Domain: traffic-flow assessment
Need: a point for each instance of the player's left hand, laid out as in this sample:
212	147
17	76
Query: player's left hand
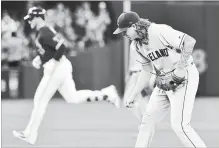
172	80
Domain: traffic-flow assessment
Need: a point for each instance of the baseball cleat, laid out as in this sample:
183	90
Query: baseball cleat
23	137
113	96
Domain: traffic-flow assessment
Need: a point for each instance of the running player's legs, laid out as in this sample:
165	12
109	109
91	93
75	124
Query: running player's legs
156	109
182	102
45	90
47	87
71	95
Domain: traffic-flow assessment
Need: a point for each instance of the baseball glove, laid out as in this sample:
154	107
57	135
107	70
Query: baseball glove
169	81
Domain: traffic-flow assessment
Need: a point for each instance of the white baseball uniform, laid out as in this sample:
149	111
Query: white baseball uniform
134	65
161	52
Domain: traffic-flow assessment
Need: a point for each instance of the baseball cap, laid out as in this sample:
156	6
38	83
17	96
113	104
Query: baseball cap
125	20
34	12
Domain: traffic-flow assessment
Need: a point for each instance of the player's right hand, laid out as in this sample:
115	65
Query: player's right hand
129	102
37	62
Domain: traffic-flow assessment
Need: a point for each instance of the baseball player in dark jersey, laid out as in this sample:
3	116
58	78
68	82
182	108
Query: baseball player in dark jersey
57	75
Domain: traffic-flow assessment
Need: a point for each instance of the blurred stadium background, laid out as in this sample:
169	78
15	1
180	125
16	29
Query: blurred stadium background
100	59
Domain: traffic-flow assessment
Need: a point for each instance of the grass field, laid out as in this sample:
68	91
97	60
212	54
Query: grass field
100	125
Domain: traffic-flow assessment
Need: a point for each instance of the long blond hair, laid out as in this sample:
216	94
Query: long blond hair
142	30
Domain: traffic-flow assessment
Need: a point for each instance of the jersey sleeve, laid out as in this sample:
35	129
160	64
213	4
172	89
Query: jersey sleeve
171	37
139	57
134	65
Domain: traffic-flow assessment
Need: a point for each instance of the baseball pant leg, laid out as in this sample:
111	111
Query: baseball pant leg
156	109
182	101
71	95
44	92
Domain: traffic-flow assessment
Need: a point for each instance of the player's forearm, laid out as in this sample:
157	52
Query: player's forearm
187	49
59	52
141	83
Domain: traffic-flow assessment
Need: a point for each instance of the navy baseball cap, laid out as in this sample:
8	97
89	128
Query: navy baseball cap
125	20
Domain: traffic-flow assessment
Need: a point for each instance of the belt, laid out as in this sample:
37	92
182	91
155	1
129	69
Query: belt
60	60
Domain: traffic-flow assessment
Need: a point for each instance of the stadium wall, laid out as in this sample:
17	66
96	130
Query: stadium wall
101	67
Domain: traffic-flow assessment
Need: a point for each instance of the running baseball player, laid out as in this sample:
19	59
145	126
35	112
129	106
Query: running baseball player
57	76
168	52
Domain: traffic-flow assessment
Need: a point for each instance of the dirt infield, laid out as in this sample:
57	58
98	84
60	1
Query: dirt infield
100	125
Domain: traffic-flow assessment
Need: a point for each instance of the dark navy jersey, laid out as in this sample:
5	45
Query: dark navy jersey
50	44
